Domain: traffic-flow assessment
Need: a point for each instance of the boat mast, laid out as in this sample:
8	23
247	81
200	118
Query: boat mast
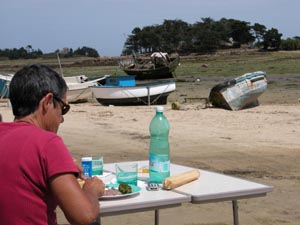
61	71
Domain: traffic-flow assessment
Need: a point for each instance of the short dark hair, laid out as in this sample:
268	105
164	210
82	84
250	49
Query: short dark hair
30	84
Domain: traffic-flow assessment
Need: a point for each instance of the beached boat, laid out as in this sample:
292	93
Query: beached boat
78	87
123	90
4	85
239	93
76	79
158	66
80	91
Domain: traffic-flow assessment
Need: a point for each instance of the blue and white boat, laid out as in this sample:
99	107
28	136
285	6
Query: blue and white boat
239	93
4	85
123	90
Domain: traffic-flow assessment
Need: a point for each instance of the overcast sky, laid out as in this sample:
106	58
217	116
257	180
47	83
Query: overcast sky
104	24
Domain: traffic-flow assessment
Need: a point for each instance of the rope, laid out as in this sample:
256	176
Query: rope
76	98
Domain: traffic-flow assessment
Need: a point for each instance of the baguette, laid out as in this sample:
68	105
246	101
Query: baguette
180	179
81	182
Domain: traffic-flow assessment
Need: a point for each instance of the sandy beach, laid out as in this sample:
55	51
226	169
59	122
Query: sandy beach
260	144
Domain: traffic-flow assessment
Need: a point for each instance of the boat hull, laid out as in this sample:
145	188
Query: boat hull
79	92
159	73
148	70
79	95
4	85
141	94
239	93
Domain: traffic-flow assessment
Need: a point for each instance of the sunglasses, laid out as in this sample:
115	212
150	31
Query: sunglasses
65	107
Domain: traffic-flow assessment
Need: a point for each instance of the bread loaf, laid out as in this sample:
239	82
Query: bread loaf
180	179
81	182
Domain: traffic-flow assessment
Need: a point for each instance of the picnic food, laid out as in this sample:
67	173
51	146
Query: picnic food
144	170
180	179
111	192
81	182
125	188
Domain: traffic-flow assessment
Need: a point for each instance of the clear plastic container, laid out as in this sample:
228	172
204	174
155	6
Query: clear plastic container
159	150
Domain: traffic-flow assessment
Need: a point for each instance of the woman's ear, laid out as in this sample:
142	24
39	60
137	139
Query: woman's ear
46	102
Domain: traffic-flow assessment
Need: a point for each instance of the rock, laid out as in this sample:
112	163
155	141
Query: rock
176	106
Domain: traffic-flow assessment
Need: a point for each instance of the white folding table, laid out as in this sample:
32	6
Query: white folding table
215	187
210	187
144	201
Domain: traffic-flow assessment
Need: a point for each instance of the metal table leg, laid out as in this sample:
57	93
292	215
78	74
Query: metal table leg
235	212
156	221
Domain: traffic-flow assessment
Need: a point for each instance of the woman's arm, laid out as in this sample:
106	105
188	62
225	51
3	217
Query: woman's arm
80	206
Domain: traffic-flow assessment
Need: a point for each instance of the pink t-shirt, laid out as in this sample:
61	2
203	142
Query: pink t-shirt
29	157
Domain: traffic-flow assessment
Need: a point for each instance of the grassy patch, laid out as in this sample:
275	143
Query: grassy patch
206	66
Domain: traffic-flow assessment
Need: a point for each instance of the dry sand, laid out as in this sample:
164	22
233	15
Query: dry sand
260	144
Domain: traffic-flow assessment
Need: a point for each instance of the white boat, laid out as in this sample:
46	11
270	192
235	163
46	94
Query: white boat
80	91
239	93
122	90
76	79
78	87
4	85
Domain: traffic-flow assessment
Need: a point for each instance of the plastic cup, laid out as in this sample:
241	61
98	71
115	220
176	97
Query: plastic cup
97	165
127	173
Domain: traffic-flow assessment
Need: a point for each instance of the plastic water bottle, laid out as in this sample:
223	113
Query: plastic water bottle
159	151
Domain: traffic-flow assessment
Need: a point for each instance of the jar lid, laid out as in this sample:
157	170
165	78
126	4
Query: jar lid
159	108
84	159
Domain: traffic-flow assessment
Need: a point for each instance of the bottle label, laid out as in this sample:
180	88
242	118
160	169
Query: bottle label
159	163
87	168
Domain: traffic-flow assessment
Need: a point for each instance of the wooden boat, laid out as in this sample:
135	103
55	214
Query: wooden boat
123	90
4	85
157	66
239	93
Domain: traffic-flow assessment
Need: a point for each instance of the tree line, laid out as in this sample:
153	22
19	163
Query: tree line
29	53
205	37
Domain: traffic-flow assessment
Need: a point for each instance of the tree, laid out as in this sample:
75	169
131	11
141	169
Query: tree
290	44
132	43
86	51
29	48
174	33
206	38
272	39
258	31
240	32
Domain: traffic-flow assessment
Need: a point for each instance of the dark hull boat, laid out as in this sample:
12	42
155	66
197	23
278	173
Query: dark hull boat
158	66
